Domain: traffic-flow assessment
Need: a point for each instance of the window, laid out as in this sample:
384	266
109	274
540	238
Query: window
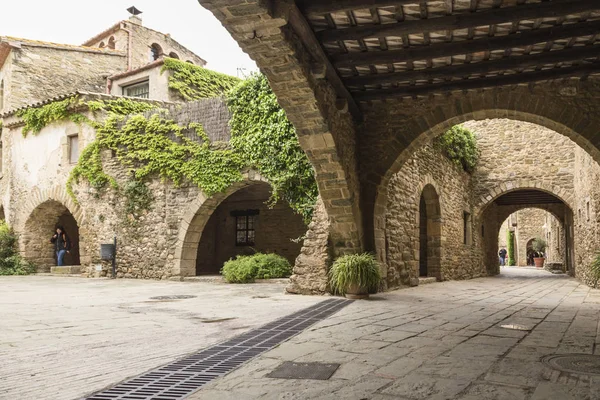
1	95
245	222
73	149
466	227
190	61
102	45
141	90
173	55
111	43
155	52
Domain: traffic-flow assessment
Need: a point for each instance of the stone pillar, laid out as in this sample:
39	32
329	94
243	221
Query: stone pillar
312	265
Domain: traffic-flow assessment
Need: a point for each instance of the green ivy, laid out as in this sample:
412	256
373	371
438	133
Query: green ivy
192	82
510	239
265	138
37	118
460	146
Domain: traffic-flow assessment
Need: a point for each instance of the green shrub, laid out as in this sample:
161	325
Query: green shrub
11	263
245	269
460	146
271	266
539	247
595	270
354	269
510	239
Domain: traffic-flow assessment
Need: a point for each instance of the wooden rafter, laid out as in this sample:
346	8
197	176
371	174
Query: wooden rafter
462	21
520	62
320	7
469	84
301	27
439	50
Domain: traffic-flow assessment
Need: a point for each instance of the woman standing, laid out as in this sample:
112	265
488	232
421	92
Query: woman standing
61	245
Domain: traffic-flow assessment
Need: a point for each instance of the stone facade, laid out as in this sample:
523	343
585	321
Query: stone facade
134	38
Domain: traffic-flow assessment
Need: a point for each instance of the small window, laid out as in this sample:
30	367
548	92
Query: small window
173	55
1	95
245	222
141	90
102	45
466	228
190	61
111	43
155	52
73	149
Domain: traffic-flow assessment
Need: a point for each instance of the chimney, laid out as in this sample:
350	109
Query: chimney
135	18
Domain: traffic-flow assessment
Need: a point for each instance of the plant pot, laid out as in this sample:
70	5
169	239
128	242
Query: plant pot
539	262
356	292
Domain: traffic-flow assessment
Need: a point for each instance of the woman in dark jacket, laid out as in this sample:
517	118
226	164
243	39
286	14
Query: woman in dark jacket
61	245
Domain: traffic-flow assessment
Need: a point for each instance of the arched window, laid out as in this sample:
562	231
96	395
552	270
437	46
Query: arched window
102	45
111	42
189	61
155	52
173	55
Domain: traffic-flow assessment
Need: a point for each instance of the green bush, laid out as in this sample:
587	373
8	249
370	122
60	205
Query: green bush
595	270
539	247
460	146
245	269
354	269
11	263
510	239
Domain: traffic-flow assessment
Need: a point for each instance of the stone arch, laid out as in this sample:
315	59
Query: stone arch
435	123
197	218
430	232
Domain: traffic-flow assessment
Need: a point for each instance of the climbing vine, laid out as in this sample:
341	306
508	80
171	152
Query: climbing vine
265	138
510	239
192	82
460	146
36	119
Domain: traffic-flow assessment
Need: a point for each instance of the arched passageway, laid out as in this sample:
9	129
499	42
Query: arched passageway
430	232
239	221
39	228
528	213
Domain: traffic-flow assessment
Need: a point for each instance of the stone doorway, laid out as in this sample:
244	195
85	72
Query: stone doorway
40	227
243	224
430	233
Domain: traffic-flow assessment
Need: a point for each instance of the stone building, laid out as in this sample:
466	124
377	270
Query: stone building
185	232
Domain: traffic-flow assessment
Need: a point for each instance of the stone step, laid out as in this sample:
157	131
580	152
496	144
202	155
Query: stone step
424	281
66	270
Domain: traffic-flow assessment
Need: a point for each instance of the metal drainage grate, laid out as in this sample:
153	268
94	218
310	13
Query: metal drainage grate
182	378
581	364
313	370
173	297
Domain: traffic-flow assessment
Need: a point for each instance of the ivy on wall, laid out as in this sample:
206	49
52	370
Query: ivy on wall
460	146
262	138
510	240
267	141
192	82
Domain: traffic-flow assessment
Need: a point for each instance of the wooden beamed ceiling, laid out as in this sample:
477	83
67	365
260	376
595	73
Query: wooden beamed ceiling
374	49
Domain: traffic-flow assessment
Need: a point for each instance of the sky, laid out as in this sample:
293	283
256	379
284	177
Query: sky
75	21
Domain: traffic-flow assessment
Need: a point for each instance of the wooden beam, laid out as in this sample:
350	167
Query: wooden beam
301	27
494	16
484	67
504	80
320	7
439	50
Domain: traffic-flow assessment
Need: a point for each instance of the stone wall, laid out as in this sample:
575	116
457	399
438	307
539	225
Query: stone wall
587	219
459	258
530	225
40	73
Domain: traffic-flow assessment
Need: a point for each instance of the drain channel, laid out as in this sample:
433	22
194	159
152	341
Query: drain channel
183	377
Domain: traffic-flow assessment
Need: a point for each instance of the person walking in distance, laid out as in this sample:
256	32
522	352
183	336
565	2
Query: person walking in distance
61	245
502	256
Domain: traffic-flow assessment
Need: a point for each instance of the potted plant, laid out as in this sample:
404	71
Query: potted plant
539	249
355	275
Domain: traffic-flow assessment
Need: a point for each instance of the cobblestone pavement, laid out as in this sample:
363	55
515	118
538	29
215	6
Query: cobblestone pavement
440	341
62	338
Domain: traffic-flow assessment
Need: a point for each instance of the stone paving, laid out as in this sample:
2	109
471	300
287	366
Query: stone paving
440	341
62	338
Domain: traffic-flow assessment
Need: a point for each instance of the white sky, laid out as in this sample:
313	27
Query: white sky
75	21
